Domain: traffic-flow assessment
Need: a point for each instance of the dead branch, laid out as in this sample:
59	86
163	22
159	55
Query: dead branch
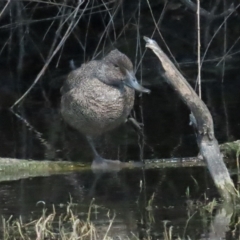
201	120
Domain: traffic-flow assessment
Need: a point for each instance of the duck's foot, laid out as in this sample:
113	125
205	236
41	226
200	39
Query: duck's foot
102	164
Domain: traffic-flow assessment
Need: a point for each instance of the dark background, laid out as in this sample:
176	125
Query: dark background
31	32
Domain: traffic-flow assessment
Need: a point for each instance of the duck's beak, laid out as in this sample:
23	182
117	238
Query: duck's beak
132	82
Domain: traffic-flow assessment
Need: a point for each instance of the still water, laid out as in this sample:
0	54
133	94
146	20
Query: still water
126	194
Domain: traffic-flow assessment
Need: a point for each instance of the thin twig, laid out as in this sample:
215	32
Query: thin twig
5	7
189	4
199	49
40	74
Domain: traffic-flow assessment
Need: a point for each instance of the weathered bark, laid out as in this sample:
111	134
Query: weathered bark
201	120
14	169
231	150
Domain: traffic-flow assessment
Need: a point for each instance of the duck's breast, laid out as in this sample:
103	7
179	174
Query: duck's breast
95	107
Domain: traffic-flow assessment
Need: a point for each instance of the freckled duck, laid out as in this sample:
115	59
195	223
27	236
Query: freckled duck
98	97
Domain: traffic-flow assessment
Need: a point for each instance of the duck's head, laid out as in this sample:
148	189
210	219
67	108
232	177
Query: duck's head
116	69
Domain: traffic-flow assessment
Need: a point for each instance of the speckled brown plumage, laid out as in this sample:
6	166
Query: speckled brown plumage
92	106
98	96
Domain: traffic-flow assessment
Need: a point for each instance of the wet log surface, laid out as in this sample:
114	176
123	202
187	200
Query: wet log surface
202	122
14	169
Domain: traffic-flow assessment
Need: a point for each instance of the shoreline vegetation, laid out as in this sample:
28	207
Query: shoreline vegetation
68	222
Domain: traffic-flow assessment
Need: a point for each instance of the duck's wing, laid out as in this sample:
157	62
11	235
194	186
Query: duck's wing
75	77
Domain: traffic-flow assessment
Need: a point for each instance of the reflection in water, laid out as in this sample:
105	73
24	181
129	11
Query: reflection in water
141	200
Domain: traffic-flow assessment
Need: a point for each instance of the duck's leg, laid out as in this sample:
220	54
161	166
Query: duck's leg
100	162
97	157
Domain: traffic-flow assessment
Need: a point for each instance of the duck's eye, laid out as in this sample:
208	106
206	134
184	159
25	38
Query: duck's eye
115	65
